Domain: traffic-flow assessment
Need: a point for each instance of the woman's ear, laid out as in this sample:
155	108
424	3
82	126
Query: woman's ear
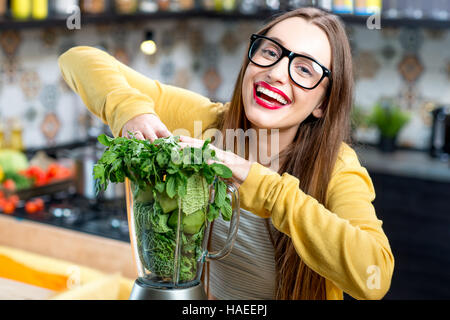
319	111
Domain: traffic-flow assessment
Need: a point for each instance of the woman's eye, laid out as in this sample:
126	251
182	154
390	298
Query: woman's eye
303	70
270	53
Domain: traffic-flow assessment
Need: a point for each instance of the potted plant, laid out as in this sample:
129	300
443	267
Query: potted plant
389	119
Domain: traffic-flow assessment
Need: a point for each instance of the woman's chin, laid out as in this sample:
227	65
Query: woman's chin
263	121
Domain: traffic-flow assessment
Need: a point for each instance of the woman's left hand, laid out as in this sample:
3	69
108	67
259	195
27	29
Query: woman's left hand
238	165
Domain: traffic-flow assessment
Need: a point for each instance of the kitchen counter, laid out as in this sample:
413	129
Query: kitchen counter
107	255
413	164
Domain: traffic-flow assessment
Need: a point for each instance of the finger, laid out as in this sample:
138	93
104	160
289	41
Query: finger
138	135
187	139
150	135
163	132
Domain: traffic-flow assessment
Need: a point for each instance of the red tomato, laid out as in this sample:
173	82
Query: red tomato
9	184
39	204
9	207
31	207
14	199
40	181
2	194
2	203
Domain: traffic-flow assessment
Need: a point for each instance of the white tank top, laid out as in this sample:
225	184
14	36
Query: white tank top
248	272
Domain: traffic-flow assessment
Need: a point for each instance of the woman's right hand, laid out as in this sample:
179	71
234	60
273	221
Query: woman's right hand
146	126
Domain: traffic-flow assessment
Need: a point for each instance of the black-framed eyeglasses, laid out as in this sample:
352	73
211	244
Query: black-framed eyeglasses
303	70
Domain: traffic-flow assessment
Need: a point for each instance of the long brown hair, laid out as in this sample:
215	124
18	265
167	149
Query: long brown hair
312	155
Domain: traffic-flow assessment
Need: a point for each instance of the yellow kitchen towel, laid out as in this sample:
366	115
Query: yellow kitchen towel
13	270
104	288
85	275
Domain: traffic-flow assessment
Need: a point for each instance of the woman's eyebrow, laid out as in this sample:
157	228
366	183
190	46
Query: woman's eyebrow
282	43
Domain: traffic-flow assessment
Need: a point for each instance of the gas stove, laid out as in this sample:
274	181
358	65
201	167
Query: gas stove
106	218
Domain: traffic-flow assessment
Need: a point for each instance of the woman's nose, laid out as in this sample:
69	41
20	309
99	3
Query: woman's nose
280	72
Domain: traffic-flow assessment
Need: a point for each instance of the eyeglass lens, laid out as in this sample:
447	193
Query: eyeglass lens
304	72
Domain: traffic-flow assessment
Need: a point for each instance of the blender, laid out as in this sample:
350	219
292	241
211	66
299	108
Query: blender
170	246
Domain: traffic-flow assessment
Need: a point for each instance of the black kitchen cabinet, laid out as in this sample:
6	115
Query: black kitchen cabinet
416	219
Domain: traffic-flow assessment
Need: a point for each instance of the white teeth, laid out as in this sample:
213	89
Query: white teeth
271	94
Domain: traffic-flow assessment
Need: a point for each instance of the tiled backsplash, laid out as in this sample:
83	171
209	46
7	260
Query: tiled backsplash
412	65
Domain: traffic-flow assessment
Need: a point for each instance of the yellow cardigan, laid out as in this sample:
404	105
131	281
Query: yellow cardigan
342	240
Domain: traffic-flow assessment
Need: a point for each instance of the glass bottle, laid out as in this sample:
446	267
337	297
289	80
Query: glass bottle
63	7
148	6
126	6
343	6
390	8
2	137
93	6
3	7
40	9
16	141
21	9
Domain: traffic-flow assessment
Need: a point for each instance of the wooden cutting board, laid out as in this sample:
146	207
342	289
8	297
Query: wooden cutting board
15	290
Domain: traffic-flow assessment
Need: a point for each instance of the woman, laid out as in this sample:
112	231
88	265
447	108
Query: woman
319	236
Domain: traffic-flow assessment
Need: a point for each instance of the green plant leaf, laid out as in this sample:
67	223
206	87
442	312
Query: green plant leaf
104	140
171	188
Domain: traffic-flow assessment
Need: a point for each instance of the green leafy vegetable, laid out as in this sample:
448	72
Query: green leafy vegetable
169	183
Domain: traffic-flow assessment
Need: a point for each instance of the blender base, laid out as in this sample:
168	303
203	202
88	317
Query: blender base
142	291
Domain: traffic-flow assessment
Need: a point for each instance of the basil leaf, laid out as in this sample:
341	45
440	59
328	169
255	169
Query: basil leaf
222	170
104	140
171	186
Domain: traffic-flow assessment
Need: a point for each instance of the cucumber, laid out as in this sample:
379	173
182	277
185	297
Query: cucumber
145	195
167	204
191	223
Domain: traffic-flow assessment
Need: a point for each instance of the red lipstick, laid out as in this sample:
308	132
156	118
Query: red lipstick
266	104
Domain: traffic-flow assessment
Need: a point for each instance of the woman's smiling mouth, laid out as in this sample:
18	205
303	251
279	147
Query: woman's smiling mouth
269	97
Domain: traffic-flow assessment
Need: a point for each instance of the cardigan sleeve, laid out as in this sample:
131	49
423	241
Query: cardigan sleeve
116	93
344	241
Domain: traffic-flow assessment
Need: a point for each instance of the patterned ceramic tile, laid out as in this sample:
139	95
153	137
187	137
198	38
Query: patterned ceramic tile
425	113
30	83
31	114
211	54
410	68
49	37
411	40
196	65
245	30
120	35
50	127
448	69
103	29
196	41
49	97
365	65
181	30
11	68
153	59
66	45
388	52
166	42
408	97
102	45
10	41
435	34
182	78
389	32
167	70
122	55
212	80
229	41
63	85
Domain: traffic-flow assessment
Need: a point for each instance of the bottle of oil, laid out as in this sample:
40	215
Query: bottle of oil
16	141
2	137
